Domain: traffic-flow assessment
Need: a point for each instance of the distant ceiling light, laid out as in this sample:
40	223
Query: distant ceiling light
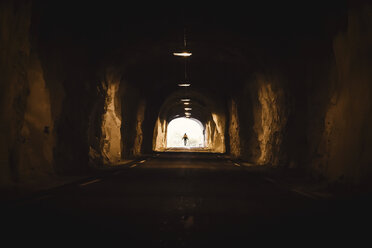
183	54
184	85
184	51
186	103
185	100
188	108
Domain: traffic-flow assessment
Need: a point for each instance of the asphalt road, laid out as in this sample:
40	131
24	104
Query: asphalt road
180	200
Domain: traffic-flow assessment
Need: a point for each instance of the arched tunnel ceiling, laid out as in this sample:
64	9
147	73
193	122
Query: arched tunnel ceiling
202	105
228	41
222	36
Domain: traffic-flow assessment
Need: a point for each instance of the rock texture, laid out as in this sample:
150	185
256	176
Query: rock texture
85	92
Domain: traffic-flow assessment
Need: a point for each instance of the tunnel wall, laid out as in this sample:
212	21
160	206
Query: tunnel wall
133	108
235	147
342	142
27	133
258	118
44	103
70	71
138	148
160	137
111	123
310	106
60	106
215	133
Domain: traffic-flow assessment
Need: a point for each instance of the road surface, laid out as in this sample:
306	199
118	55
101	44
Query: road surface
180	200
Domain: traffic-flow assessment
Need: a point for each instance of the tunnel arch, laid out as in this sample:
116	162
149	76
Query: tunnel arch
204	109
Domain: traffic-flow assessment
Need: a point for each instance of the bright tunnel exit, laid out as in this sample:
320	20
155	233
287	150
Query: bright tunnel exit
178	127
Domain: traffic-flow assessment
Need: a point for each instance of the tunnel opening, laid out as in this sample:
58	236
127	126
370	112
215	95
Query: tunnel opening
208	137
180	113
191	127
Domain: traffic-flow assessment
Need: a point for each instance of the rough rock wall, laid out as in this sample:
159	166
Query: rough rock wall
95	130
36	152
51	100
137	148
111	124
258	119
159	138
132	116
270	120
115	126
234	130
343	151
79	81
315	111
216	133
27	133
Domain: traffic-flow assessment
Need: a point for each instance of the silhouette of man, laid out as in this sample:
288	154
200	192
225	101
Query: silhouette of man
185	138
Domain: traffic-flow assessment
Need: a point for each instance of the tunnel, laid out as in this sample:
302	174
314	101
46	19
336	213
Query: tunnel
193	127
274	93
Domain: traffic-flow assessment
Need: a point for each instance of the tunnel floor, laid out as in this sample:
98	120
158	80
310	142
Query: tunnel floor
184	200
187	149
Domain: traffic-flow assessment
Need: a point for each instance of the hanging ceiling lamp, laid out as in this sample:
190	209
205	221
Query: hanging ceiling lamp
184	51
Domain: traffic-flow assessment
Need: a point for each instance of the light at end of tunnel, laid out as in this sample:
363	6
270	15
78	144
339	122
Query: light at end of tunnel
183	54
184	85
193	129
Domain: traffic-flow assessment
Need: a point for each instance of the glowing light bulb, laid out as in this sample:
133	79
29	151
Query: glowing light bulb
183	54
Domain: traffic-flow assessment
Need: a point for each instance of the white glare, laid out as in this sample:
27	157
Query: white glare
183	54
184	85
178	127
